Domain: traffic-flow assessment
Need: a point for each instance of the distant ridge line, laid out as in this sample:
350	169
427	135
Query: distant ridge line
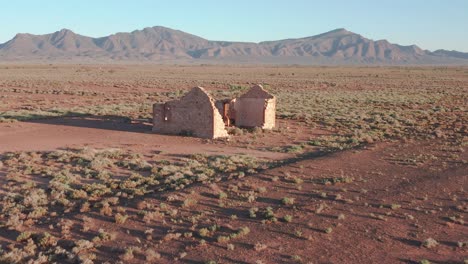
161	44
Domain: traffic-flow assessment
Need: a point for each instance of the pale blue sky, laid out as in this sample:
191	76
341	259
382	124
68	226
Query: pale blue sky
430	24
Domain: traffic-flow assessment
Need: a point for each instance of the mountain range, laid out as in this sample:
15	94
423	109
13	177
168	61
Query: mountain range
161	44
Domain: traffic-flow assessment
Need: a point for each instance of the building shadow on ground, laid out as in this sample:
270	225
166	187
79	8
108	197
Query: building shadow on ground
106	122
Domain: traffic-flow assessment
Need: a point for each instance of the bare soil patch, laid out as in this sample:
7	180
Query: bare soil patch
366	165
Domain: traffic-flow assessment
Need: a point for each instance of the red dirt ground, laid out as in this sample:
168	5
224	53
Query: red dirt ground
427	198
76	132
425	184
371	232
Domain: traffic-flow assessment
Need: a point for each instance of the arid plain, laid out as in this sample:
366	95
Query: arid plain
366	164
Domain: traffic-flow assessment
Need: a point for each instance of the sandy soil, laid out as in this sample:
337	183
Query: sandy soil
375	203
115	132
427	198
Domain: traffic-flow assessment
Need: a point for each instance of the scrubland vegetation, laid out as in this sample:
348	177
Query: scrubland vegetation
103	182
406	199
360	108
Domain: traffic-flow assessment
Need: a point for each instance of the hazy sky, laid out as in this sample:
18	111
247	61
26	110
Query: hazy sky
430	24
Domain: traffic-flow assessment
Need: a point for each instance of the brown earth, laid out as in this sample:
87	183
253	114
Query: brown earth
376	202
114	132
429	196
369	230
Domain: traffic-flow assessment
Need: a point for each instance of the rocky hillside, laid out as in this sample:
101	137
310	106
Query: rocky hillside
160	44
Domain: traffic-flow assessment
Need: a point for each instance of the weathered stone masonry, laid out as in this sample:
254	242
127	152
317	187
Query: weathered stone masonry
199	115
193	114
255	108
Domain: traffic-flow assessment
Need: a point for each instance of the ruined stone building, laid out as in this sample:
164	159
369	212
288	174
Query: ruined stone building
255	108
198	114
194	114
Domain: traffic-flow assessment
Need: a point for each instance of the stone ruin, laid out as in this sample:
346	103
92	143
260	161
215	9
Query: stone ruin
194	114
198	114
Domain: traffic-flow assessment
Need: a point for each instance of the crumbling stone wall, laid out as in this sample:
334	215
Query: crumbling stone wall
256	108
197	114
226	108
270	114
193	114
